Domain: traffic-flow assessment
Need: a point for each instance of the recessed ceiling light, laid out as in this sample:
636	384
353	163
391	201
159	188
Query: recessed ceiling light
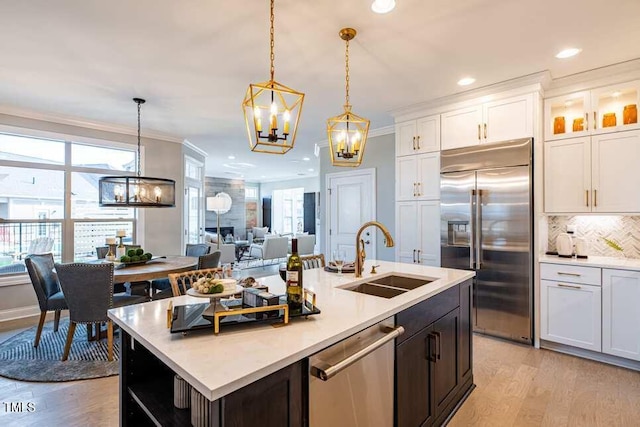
306	159
231	157
466	81
383	6
568	53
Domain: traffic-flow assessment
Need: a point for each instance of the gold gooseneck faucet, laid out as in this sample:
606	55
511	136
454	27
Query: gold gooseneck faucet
360	253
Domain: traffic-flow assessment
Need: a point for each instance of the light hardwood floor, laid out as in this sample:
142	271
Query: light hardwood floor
520	386
516	386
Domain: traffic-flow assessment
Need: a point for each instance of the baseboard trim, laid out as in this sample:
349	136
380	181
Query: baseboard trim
591	355
19	313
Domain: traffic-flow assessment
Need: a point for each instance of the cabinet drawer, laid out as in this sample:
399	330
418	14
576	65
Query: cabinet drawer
571	273
415	318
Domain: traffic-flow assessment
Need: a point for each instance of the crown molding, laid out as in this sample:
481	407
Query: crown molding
384	130
85	123
531	82
198	150
597	77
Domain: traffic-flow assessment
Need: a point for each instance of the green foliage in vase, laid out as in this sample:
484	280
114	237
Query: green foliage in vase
612	244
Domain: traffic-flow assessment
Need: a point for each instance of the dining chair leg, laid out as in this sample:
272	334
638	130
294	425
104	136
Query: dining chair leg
67	346
90	336
110	340
56	321
43	315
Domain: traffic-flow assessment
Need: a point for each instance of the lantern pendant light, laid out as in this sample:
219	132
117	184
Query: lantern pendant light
137	191
272	111
347	132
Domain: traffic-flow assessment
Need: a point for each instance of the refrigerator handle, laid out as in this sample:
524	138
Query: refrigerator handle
478	234
472	198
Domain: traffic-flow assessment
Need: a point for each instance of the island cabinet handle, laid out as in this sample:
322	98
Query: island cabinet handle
325	371
438	344
431	348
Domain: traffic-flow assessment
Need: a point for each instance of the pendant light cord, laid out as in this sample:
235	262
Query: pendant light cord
346	60
272	41
139	106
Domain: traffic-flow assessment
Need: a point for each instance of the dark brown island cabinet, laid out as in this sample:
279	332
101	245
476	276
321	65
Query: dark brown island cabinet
433	376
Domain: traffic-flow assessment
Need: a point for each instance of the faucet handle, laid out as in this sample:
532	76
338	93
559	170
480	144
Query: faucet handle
373	268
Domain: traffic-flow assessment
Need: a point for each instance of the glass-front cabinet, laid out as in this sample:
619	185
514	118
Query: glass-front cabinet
604	110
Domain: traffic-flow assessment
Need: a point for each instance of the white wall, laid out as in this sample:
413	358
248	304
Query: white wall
162	230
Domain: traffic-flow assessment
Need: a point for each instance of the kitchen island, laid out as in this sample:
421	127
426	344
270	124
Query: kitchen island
237	359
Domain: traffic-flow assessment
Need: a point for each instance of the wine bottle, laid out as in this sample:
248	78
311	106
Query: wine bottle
294	279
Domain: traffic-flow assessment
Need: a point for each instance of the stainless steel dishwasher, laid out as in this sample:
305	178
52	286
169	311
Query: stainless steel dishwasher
351	382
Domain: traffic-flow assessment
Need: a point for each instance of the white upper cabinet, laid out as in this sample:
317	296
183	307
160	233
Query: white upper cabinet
567	177
494	121
418	136
418	177
418	232
616	172
462	128
603	110
593	174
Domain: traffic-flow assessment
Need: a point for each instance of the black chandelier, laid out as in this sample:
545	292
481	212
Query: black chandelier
137	191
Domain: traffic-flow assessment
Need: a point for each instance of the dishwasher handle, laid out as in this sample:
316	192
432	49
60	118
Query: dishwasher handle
325	371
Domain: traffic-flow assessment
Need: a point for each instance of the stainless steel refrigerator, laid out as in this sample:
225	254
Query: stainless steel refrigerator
486	226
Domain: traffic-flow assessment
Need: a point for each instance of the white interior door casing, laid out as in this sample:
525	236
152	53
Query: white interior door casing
351	203
571	314
620	313
567	175
615	170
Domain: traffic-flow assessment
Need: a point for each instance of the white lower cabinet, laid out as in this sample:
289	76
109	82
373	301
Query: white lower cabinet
571	314
418	232
621	313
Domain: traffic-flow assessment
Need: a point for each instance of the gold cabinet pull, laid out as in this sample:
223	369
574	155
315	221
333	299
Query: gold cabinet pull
414	142
414	189
419	262
485	131
595	198
561	273
414	256
419	194
562	285
418	141
586	121
479	132
586	197
595	120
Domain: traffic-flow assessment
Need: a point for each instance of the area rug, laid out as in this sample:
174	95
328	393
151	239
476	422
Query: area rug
19	360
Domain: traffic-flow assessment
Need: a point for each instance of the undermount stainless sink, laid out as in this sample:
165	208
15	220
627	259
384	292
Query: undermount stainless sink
388	286
402	282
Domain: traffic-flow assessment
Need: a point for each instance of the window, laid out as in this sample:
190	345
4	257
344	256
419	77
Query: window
288	211
33	175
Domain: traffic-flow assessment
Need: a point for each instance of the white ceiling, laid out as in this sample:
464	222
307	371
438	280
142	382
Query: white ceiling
193	60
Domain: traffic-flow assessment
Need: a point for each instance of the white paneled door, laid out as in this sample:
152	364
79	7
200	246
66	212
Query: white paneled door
350	203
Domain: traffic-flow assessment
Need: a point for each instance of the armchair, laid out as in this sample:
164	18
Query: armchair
271	248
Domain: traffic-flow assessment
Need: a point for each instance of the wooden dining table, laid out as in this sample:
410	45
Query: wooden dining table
156	268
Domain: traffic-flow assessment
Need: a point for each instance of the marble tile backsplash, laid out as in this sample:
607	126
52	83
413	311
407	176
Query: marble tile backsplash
624	230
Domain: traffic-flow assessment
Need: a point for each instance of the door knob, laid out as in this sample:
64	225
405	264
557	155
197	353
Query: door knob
367	242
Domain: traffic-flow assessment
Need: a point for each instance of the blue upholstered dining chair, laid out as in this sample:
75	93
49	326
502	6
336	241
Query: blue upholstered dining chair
197	249
162	287
48	291
89	292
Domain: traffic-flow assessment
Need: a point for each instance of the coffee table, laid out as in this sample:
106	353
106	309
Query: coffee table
241	248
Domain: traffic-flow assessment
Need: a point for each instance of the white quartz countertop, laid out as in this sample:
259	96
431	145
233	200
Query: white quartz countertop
595	261
217	365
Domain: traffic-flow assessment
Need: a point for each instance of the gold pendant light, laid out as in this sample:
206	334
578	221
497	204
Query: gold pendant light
347	132
272	111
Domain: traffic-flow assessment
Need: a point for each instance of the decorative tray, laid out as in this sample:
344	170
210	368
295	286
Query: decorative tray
191	317
120	264
348	267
